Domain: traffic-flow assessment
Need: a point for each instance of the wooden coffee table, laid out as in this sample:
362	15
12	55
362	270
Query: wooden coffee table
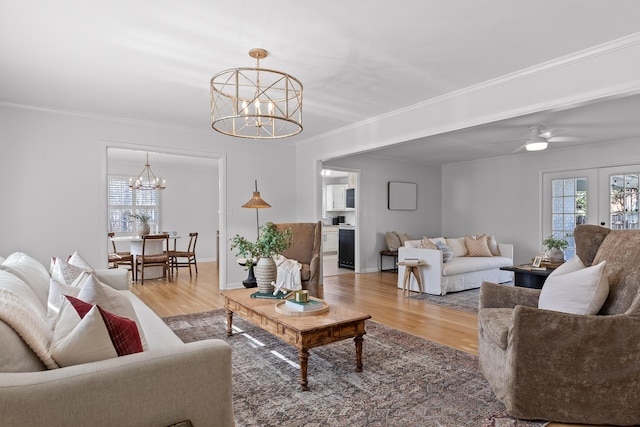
302	332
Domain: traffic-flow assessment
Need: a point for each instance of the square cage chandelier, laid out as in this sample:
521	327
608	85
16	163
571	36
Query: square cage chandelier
256	103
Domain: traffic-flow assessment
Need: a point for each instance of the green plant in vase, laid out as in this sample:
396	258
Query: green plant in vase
260	253
143	218
555	247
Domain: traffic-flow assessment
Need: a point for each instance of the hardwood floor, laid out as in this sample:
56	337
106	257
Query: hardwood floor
372	293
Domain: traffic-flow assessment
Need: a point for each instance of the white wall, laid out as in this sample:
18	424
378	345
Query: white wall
502	196
375	217
53	171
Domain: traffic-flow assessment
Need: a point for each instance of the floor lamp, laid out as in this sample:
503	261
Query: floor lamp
255	202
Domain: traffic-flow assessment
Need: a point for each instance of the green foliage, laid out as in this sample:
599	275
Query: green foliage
270	242
143	217
553	243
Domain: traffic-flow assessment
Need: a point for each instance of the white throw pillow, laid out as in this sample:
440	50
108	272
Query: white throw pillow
458	246
86	333
78	261
63	272
93	291
575	290
56	291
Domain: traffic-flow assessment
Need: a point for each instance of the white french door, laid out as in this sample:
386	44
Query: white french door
618	197
605	196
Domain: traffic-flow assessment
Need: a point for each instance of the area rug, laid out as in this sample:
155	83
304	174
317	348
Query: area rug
463	300
406	381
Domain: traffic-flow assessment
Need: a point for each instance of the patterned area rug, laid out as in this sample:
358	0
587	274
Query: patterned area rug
463	300
407	381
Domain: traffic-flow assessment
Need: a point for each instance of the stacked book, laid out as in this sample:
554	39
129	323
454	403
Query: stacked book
310	305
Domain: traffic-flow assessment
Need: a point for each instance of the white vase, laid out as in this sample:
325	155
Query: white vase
556	255
266	272
144	229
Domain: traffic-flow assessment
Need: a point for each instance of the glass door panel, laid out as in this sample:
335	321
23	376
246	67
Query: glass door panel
619	197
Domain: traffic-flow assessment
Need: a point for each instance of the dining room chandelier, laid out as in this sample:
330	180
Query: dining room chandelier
256	103
147	180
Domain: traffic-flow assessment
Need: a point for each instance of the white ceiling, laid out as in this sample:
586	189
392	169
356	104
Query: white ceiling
152	60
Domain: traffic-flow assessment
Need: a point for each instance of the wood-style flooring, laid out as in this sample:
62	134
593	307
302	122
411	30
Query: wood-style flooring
373	293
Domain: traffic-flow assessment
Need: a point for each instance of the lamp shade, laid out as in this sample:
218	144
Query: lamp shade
256	202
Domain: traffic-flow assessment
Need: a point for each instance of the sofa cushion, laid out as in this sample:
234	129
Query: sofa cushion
458	246
470	264
86	333
575	290
31	272
477	246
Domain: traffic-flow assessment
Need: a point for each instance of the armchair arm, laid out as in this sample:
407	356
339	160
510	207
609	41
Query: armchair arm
493	295
575	365
155	387
314	271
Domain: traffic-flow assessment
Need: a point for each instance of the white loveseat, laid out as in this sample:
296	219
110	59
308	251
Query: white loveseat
459	274
168	383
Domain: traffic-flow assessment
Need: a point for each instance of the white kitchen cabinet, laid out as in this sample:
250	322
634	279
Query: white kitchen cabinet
330	239
336	196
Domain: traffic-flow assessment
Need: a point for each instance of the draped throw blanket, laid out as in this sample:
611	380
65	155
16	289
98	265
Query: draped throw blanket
288	272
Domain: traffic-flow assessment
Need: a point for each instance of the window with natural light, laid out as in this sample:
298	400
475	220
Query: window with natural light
569	208
123	200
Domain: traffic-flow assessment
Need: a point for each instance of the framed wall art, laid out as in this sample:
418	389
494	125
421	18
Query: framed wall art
402	196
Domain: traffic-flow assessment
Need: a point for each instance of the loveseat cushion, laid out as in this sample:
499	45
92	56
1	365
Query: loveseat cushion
31	272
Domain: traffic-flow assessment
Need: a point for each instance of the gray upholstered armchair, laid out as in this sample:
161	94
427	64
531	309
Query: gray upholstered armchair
307	240
565	367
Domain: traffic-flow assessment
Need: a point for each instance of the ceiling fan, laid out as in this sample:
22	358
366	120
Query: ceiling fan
540	138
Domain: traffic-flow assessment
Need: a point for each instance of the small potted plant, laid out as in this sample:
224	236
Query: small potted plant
555	247
144	218
260	253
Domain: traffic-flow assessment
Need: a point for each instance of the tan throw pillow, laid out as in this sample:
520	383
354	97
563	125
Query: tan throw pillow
493	244
477	247
457	246
403	238
425	243
393	241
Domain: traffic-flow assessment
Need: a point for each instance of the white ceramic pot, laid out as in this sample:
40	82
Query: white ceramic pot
556	255
266	272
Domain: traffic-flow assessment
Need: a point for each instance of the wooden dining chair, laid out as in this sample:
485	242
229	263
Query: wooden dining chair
116	259
185	258
154	260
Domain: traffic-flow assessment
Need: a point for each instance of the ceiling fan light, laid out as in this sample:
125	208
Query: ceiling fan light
536	145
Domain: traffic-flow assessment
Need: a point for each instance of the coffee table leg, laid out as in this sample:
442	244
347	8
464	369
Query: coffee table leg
358	340
229	321
303	356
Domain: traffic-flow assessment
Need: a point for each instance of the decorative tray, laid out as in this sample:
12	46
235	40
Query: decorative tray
283	309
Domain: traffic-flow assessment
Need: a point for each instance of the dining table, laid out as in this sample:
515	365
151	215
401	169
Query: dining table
153	247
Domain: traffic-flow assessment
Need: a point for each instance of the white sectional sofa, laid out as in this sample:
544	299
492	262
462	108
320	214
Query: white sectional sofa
168	383
459	274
